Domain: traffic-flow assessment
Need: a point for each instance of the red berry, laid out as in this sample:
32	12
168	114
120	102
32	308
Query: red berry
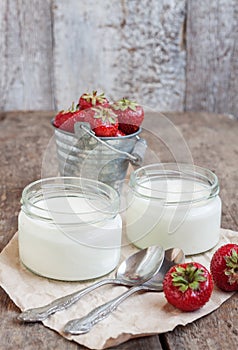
224	267
65	120
188	286
91	100
130	115
103	121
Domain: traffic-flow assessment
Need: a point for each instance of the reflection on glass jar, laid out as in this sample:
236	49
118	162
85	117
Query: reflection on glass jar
69	228
174	205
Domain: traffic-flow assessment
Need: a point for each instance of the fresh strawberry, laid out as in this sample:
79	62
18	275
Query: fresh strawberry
65	120
103	121
130	115
224	267
188	286
91	100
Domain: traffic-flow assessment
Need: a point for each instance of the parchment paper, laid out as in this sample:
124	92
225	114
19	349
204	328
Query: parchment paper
139	315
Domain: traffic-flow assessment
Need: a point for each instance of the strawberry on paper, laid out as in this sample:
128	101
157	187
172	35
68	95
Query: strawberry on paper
88	100
224	267
188	286
130	115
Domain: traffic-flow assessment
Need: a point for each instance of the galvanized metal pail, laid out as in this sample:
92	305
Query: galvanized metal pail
104	159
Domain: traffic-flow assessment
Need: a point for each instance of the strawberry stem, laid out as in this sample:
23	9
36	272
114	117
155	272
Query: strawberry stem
105	114
73	108
94	98
188	277
124	103
232	267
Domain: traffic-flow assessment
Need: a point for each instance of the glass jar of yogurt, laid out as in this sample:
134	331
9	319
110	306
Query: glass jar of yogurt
174	205
69	228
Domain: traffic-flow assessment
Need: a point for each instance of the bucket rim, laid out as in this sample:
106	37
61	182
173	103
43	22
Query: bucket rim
103	138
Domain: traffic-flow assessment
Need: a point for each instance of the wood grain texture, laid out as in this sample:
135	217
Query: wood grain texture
210	333
213	142
26	55
125	48
21	143
168	54
212	49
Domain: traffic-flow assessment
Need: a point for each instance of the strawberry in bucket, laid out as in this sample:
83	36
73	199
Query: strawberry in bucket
130	115
97	139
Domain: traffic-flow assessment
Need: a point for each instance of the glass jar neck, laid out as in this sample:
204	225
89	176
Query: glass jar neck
174	183
70	201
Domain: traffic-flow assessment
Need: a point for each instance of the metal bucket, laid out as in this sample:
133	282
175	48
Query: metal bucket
104	159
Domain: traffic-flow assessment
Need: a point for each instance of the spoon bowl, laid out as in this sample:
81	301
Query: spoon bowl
135	270
141	266
83	325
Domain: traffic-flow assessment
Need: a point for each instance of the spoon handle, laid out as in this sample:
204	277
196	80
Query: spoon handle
43	312
83	325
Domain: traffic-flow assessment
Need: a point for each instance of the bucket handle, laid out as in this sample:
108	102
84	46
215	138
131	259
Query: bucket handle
137	156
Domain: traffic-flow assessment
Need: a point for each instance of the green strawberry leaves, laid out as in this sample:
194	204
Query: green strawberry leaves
189	277
123	104
105	114
232	267
94	98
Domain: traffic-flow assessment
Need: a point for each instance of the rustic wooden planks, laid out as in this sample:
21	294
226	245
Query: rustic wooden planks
169	54
126	48
212	51
210	332
26	55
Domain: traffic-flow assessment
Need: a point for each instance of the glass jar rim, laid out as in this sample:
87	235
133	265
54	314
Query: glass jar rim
165	171
32	190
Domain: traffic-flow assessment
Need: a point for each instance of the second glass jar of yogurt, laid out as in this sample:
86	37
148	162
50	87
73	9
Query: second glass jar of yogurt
174	205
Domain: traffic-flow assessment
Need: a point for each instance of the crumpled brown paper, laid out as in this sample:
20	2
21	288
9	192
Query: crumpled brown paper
139	315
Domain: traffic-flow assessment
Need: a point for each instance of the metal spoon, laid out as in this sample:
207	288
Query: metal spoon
83	325
136	269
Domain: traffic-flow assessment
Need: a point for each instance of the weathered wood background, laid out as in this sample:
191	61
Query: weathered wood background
167	54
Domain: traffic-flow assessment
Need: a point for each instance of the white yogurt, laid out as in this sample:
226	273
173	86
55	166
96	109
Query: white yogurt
65	244
174	212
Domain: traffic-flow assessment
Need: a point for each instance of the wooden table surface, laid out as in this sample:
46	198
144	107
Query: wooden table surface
213	143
